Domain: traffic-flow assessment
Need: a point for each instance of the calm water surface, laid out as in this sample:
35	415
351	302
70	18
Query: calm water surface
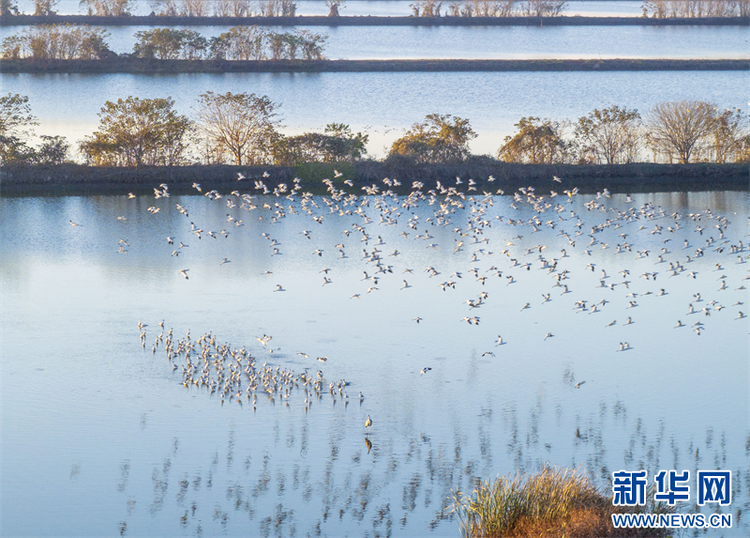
383	104
100	436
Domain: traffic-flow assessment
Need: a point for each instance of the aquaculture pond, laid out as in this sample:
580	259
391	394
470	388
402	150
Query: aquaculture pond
205	364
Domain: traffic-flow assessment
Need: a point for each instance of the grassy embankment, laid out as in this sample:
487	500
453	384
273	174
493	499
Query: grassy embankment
125	64
550	504
75	179
156	20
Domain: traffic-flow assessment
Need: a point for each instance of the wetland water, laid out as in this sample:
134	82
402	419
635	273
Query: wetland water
100	436
383	8
383	104
513	42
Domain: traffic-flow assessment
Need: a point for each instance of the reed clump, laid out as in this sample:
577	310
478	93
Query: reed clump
559	503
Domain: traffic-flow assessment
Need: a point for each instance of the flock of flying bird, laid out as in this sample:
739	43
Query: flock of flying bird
234	374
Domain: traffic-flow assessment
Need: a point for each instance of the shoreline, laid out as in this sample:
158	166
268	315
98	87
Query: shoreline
74	179
150	66
321	20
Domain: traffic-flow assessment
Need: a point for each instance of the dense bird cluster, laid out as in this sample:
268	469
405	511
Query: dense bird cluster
233	374
502	250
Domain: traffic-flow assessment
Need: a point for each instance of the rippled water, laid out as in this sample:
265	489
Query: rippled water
100	436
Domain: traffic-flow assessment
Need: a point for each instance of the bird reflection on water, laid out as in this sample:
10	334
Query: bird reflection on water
236	375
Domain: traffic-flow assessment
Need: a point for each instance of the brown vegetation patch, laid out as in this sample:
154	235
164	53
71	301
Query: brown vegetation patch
589	522
554	503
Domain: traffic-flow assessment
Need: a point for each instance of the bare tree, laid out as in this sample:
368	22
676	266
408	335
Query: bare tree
8	7
662	9
334	6
277	8
194	8
232	8
57	42
426	8
107	8
611	135
682	129
730	130
44	7
543	8
482	8
241	125
165	8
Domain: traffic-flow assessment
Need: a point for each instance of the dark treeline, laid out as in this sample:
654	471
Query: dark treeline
245	129
480	176
112	63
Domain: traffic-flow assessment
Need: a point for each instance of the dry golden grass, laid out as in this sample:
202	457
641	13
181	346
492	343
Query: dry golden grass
550	504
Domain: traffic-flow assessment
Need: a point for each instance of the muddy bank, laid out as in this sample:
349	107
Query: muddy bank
24	20
85	180
120	64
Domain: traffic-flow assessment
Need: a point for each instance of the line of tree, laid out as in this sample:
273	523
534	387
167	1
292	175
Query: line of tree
241	129
682	132
41	7
244	129
663	9
490	8
57	42
224	8
134	132
108	8
240	43
174	8
423	8
80	42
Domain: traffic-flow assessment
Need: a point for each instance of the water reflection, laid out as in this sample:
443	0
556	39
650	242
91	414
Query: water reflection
403	490
124	430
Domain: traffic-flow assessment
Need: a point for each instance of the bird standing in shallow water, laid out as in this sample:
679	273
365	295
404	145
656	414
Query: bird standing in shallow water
368	423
